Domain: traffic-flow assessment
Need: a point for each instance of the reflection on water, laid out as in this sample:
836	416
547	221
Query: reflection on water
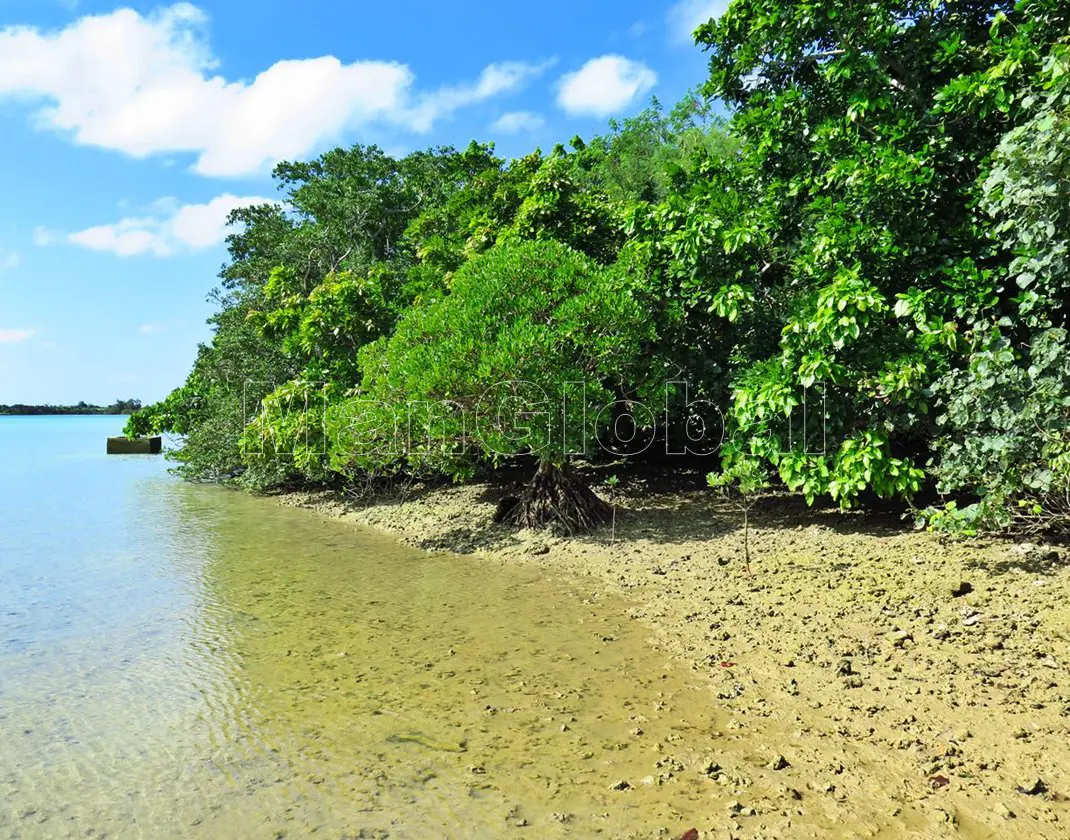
184	661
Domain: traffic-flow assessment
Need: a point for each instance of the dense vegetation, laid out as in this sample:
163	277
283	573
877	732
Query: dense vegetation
880	230
117	407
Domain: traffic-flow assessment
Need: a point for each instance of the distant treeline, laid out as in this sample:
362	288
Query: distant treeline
117	407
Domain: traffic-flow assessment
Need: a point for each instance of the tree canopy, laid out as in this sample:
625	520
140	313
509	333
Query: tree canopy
862	215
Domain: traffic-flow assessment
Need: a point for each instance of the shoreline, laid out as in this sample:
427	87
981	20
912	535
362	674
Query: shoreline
909	684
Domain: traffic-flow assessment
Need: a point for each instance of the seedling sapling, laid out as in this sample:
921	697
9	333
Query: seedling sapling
740	482
612	483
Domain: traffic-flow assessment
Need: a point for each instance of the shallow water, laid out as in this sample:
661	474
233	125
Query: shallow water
187	661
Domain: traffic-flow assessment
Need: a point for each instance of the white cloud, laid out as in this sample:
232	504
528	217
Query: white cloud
687	15
15	336
495	79
604	85
9	260
515	122
192	227
147	85
42	236
149	329
125	238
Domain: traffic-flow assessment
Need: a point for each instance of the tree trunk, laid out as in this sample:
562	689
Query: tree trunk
746	539
558	500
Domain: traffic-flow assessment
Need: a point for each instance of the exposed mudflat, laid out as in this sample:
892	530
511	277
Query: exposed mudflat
887	683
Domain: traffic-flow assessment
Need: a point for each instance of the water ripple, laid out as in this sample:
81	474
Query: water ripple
182	661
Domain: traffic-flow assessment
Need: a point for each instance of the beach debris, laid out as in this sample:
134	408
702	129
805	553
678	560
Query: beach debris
899	638
947	816
425	741
1033	787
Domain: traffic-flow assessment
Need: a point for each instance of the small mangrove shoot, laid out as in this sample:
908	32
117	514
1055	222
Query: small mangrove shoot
739	483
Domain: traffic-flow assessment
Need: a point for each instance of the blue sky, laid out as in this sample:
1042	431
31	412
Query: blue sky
128	132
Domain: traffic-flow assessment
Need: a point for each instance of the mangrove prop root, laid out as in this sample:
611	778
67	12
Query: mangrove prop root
556	499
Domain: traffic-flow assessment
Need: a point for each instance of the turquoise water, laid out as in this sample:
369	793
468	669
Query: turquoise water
187	661
69	544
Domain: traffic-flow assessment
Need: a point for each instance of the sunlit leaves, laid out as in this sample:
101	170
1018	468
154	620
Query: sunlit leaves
1005	435
523	323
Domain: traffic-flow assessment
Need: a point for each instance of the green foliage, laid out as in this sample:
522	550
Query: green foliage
557	206
865	265
1027	191
229	379
856	256
327	326
485	371
641	157
741	479
1006	436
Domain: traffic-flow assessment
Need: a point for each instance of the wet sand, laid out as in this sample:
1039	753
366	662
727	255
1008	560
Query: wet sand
882	682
